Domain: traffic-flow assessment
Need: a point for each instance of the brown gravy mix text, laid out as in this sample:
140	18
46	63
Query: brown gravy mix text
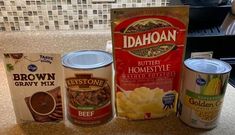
44	79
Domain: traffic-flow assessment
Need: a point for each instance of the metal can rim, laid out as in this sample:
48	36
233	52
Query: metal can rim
106	59
220	63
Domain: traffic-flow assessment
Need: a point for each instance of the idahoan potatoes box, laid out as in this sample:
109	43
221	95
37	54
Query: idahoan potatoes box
35	81
148	49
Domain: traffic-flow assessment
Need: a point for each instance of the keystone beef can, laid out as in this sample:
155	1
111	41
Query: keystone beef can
203	88
88	77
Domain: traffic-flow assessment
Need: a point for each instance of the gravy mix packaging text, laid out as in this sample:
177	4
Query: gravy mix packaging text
35	81
148	54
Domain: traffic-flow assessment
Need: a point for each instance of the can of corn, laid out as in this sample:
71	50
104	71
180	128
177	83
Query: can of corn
203	88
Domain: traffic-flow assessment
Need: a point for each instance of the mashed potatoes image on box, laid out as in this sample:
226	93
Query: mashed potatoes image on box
145	103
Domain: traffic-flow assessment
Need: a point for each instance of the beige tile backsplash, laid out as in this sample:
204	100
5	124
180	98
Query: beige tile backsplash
24	15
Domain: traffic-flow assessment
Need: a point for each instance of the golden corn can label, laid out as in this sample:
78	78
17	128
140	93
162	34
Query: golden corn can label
203	90
148	46
206	107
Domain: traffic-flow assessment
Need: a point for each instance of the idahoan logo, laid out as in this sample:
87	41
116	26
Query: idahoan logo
85	81
149	38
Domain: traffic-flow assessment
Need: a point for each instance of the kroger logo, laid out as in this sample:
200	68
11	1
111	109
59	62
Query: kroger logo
32	67
200	81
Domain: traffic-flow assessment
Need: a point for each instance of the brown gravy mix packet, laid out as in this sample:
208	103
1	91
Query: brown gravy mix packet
148	48
35	81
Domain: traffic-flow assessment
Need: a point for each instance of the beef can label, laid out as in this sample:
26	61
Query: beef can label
148	47
89	98
35	81
203	91
88	90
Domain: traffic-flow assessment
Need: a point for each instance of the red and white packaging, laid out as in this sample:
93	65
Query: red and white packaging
148	48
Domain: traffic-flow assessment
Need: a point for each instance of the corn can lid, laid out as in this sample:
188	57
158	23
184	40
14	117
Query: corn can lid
208	66
87	59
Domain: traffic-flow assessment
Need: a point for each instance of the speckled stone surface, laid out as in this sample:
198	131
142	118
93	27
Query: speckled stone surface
53	41
65	41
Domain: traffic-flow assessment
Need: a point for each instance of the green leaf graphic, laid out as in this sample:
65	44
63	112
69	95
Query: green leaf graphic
10	67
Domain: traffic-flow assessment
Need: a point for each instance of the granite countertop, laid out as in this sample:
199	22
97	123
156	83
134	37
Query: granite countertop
65	41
